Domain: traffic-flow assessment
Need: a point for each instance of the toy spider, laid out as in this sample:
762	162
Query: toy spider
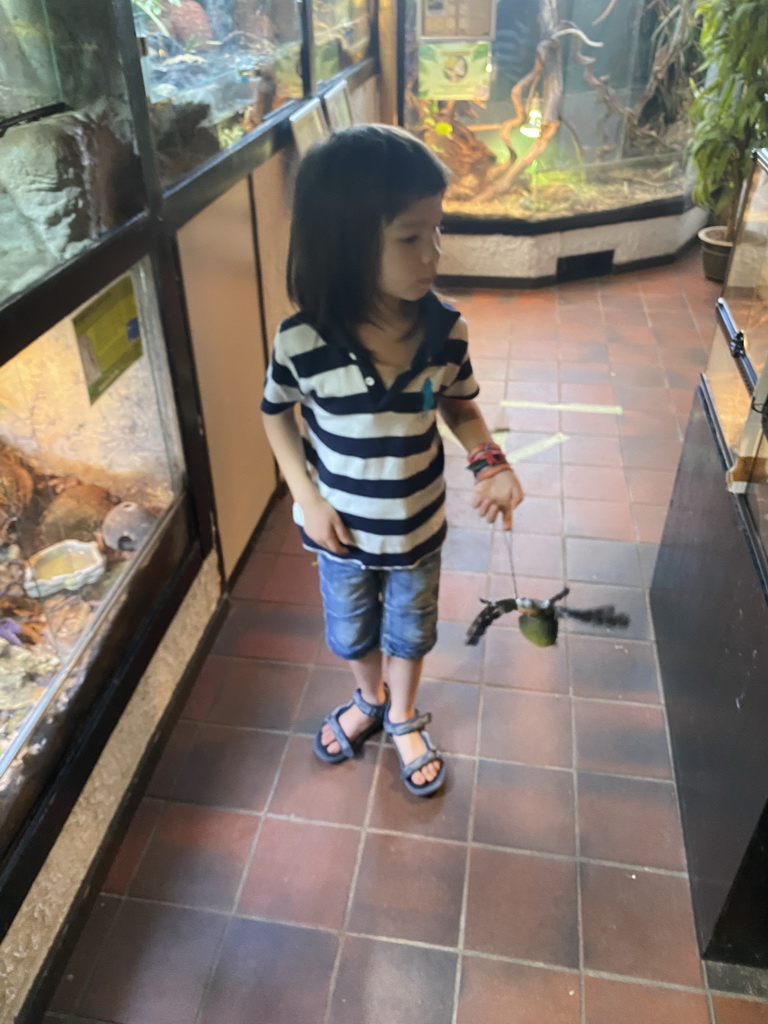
539	618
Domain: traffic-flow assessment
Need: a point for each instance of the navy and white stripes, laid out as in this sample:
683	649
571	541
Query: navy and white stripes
373	452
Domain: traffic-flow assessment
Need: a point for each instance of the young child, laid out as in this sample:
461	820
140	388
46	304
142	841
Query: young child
371	358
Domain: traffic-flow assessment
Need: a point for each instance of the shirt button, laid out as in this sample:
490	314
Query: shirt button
370	381
353	357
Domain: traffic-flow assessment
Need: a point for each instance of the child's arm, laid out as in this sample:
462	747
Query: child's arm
500	493
321	521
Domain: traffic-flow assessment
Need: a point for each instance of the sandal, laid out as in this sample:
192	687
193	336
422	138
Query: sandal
350	747
416	724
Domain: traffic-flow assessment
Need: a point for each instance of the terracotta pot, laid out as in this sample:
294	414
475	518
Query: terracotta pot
715	252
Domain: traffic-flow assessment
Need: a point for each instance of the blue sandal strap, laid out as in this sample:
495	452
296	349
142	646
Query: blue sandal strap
375	711
415	724
332	721
421	761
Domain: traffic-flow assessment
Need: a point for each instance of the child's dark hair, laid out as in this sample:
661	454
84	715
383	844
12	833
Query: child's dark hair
347	189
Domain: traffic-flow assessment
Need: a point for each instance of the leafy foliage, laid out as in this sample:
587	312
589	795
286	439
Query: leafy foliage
730	112
153	10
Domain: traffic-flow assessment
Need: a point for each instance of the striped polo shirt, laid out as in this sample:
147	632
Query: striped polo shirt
374	453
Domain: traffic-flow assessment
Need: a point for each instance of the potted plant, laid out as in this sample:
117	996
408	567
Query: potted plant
729	115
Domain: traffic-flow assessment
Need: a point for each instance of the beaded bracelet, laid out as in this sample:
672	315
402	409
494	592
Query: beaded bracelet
486	460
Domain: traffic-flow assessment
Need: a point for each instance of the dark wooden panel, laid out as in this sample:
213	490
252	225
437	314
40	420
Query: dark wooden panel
711	623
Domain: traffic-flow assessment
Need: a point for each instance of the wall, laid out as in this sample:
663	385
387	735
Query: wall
220	277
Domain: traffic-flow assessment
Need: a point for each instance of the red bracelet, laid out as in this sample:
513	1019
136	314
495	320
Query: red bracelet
486	460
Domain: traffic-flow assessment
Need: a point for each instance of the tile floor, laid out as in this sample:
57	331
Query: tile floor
548	882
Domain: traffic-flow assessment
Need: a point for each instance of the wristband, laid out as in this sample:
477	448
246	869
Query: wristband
486	460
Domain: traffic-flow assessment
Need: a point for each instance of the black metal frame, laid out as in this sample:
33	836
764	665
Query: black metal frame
190	534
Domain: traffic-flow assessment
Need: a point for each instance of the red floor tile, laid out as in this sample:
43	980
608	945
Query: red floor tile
257	629
308	788
609	1001
154	965
630	821
386	983
608	520
531	728
621	739
451	658
454	709
460	594
639	924
196	857
329	686
492	989
595	483
409	888
525	807
534	554
613	668
257	974
133	846
301	873
513	661
443	816
739	1011
602	561
249	692
522	906
227	767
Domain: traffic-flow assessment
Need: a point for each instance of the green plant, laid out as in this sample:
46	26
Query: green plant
152	9
730	112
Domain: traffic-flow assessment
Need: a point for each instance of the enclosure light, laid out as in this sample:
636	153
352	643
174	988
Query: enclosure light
533	128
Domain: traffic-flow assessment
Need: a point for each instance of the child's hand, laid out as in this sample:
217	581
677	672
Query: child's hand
500	493
323	525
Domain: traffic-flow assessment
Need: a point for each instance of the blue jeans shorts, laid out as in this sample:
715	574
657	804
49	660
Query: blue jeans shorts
394	610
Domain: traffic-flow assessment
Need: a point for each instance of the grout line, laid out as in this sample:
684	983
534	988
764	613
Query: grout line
577	831
343	933
469	842
244	874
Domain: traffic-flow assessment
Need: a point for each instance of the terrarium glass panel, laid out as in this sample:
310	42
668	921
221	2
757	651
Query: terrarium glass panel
742	410
213	71
547	109
746	287
342	35
90	466
69	171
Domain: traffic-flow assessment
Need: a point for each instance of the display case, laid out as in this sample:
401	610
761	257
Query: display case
549	110
341	32
91	476
709	601
737	373
213	71
69	172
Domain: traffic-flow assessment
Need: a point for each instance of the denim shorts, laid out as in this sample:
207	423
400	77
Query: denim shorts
394	610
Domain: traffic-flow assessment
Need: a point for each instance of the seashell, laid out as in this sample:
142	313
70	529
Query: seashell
126	526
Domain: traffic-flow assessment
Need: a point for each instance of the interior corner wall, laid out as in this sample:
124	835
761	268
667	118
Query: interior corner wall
41	917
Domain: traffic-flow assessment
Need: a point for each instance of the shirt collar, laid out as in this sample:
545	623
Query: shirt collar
439	319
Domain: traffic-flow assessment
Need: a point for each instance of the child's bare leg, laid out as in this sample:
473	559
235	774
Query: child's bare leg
368	676
403	676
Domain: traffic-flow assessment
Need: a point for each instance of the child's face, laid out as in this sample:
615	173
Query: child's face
411	250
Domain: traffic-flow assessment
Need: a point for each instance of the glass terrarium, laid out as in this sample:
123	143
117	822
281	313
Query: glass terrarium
90	471
213	71
547	109
68	165
342	35
737	373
